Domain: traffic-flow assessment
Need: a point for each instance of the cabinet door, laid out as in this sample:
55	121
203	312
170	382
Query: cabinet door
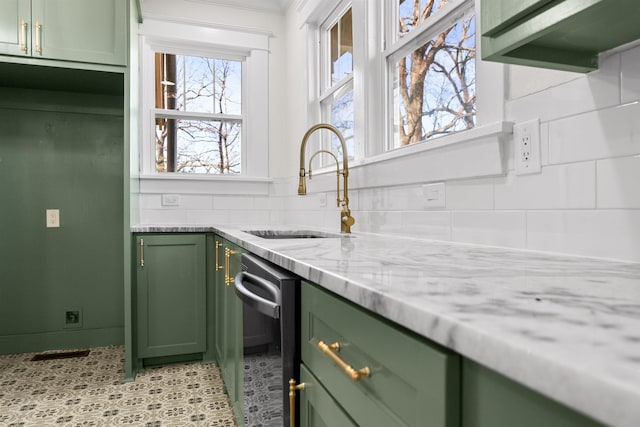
317	407
233	342
220	293
171	294
14	38
229	324
80	30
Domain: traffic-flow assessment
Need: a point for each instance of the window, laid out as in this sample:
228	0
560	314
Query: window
431	70
198	115
411	91
204	103
336	97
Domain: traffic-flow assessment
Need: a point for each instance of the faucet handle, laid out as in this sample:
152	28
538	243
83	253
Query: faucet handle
302	184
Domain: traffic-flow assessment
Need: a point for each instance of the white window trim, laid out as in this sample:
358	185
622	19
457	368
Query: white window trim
490	135
230	43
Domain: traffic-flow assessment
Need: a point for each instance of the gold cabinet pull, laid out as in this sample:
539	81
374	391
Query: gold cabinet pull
38	47
227	265
23	36
331	349
218	266
141	252
292	400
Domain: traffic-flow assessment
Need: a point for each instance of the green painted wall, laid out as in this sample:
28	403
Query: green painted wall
60	150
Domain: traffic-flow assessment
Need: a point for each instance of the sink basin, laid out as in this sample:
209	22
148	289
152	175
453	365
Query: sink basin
293	234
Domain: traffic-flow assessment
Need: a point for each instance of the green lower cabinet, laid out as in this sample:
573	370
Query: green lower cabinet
171	294
492	400
412	381
317	407
229	323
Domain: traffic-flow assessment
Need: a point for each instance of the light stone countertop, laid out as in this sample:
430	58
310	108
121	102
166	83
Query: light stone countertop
567	327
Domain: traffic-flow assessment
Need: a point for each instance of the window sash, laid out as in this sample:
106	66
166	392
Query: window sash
401	46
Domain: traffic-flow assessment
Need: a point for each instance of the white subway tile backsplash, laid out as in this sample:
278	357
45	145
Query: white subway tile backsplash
163	216
495	228
596	90
384	222
630	75
248	217
232	202
150	201
192	201
599	134
207	217
619	182
427	225
470	194
597	233
556	187
544	144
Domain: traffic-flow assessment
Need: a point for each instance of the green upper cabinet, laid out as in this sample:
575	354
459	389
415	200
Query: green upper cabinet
15	37
171	294
93	31
559	34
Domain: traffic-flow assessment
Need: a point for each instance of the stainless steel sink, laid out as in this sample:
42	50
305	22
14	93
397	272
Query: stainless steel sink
294	234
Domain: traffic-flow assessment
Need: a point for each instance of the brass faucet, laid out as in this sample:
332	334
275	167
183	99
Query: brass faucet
346	220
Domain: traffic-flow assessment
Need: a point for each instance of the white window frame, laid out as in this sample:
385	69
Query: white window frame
467	154
398	47
249	47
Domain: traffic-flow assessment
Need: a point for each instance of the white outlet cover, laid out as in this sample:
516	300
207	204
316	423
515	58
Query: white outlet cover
526	156
53	218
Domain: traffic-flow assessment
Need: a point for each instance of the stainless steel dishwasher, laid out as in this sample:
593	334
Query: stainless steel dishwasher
271	327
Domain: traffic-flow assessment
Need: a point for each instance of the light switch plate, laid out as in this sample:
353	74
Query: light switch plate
53	218
170	200
434	195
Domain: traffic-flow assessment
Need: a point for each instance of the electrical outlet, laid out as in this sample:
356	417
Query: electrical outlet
53	218
73	318
527	147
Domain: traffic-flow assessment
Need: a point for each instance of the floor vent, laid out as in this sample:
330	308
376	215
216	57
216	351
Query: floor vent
60	355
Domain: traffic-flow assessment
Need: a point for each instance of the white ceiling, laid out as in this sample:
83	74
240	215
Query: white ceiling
268	5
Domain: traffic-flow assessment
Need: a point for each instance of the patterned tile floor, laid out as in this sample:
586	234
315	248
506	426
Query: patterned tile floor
88	391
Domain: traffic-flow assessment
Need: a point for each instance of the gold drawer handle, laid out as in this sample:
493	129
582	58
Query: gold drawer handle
330	351
228	279
23	36
292	400
218	266
38	28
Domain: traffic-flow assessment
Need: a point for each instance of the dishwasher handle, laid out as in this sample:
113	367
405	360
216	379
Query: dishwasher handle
263	305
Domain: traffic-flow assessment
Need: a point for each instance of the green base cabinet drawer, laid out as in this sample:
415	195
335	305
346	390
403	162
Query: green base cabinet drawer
317	407
412	382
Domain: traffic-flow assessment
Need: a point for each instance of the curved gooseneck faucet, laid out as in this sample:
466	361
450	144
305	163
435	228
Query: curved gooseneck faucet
346	220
